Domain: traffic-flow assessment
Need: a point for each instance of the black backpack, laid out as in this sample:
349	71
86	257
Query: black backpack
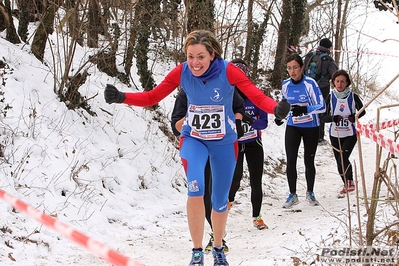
313	65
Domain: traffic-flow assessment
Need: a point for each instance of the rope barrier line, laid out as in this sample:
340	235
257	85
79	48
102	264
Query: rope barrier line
92	245
377	137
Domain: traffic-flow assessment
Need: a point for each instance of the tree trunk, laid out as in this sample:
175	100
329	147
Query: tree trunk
106	61
94	24
26	10
200	15
259	33
74	23
105	17
131	43
6	16
143	11
250	26
340	28
297	22
4	19
281	51
174	5
43	30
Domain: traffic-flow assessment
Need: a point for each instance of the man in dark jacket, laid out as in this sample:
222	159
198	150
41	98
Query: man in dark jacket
328	66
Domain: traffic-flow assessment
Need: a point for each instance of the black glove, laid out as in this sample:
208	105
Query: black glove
299	110
278	122
240	131
351	118
248	119
112	95
337	118
282	109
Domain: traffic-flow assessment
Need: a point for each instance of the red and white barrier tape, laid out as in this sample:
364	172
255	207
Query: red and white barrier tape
296	48
378	138
94	246
385	124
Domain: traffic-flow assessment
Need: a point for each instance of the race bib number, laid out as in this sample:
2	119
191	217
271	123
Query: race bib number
302	119
207	121
249	132
343	126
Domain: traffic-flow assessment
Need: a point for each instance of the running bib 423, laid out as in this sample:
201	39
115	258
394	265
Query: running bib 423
207	121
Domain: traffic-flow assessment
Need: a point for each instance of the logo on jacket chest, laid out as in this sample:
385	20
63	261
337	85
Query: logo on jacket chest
341	107
216	95
302	98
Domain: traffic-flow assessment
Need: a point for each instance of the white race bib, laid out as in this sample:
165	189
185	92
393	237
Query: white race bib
249	132
342	129
302	119
207	121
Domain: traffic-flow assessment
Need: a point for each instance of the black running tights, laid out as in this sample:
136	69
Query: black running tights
293	137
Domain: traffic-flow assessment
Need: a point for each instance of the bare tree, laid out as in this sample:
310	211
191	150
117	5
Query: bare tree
290	30
342	14
254	43
94	24
297	22
129	52
26	9
231	30
3	17
29	11
44	29
200	15
393	7
172	13
281	50
250	33
6	18
144	22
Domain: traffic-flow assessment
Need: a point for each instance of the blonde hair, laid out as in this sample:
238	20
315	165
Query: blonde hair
206	38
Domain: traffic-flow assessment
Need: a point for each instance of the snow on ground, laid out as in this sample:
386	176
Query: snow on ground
116	178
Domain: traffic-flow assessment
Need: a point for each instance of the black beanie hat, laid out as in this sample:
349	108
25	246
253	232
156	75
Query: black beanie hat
325	43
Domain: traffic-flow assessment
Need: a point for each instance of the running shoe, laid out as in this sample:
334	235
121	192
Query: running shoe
219	258
209	246
225	247
350	187
259	223
291	201
197	258
311	198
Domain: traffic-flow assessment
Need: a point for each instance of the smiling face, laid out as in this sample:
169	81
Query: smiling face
340	83
199	59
